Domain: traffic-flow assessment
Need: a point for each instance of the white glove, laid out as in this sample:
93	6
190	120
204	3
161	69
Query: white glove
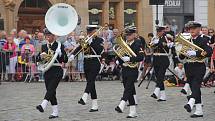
42	55
90	41
126	58
170	44
191	53
117	62
155	41
71	58
59	52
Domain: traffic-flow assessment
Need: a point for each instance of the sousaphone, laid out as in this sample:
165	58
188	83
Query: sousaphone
61	19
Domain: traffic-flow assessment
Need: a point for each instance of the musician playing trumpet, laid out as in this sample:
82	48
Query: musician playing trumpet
93	48
161	46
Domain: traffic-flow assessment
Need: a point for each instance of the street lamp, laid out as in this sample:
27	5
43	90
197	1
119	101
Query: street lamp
156	2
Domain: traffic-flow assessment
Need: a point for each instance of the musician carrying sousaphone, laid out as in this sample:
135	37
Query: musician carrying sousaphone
53	75
53	54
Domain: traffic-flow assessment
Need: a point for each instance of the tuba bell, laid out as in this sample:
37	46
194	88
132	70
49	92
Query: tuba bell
61	19
182	45
122	49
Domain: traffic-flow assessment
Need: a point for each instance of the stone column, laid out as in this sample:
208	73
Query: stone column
9	19
81	7
139	18
105	12
211	13
147	14
120	15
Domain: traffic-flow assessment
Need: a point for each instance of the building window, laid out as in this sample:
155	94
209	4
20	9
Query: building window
34	4
130	13
1	24
95	13
177	13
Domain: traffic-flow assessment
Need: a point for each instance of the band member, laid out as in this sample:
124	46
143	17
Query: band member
195	70
148	57
53	75
160	45
187	36
92	53
129	75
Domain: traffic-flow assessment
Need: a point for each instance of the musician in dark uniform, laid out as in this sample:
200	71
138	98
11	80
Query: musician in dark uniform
92	54
130	74
53	75
195	69
160	45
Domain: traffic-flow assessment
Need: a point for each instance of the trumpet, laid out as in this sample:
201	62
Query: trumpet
84	42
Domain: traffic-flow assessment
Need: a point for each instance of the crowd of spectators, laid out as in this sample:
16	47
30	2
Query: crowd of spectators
19	50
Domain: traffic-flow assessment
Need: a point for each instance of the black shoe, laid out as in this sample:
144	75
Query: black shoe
40	108
93	110
154	96
188	108
130	105
183	91
161	100
131	116
52	117
188	97
118	109
196	116
81	101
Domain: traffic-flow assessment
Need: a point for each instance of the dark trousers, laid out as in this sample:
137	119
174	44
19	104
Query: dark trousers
160	63
195	73
129	76
91	69
52	78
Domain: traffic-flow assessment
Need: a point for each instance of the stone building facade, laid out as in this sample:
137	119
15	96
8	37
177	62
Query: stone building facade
29	15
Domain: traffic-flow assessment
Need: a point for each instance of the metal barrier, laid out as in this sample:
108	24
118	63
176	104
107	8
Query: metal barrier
20	66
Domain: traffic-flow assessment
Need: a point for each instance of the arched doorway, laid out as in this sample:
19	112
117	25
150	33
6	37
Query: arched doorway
31	14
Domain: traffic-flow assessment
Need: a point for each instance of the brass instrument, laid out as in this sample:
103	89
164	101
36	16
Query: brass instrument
122	49
60	19
84	42
182	45
47	57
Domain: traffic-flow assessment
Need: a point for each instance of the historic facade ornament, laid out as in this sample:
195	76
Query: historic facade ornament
10	4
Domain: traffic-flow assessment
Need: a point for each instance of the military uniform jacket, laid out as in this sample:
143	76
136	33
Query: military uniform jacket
95	48
161	46
63	58
136	46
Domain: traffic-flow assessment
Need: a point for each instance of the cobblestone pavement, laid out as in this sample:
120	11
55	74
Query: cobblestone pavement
18	101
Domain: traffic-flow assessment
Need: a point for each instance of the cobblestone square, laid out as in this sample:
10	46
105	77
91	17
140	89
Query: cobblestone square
18	101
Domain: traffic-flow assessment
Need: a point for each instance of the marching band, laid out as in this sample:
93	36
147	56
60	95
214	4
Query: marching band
193	49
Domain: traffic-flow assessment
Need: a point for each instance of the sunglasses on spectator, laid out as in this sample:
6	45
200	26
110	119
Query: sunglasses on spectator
210	32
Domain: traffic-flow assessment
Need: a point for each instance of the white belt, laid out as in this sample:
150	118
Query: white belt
92	56
160	54
125	64
56	64
191	61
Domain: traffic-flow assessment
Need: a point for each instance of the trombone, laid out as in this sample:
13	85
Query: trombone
84	44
